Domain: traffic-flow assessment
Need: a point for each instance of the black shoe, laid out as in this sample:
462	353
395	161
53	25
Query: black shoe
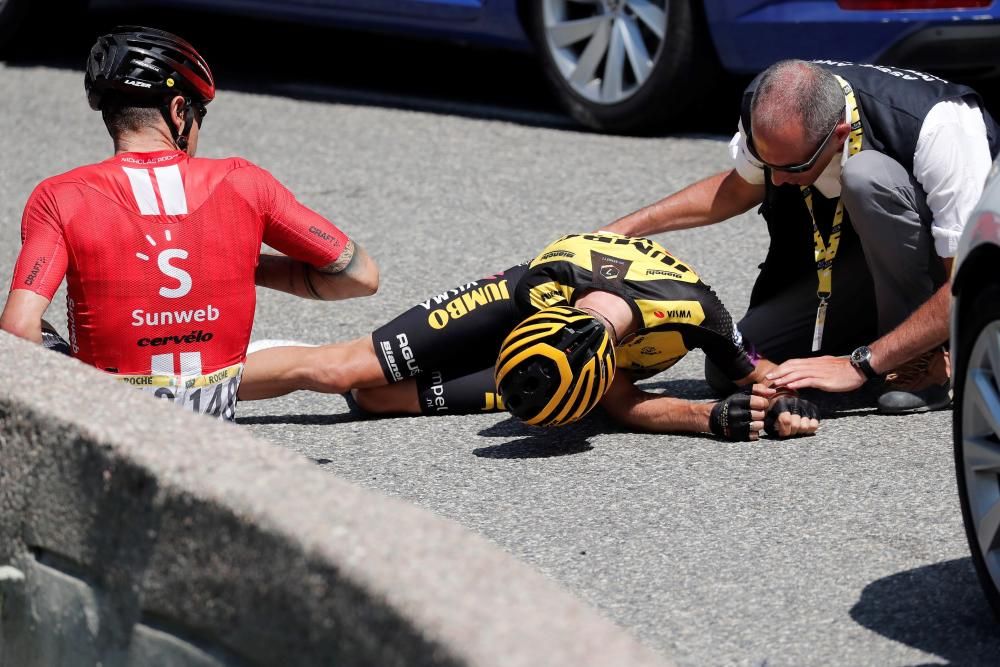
920	385
936	397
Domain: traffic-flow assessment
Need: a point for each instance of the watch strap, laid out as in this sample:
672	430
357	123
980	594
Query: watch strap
863	363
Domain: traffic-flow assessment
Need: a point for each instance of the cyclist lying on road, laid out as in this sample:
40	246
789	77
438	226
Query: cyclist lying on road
548	340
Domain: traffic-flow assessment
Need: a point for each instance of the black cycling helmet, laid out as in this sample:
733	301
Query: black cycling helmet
555	366
149	64
151	67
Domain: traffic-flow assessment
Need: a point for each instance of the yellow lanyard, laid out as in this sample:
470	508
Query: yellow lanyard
826	252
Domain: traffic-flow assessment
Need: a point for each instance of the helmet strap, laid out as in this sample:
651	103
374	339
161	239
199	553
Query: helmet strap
180	138
605	321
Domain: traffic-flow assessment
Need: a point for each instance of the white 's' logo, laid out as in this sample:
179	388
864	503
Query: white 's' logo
182	277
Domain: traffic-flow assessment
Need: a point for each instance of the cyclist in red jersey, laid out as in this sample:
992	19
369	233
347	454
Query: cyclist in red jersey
162	250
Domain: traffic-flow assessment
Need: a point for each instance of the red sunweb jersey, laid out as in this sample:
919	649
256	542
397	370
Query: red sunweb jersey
159	251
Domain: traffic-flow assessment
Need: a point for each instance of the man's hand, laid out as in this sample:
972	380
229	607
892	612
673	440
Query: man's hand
739	417
790	416
825	373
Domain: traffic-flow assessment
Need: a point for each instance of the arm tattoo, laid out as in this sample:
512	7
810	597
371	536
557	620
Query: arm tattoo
342	262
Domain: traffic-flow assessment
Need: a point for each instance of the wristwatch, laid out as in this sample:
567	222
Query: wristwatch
861	359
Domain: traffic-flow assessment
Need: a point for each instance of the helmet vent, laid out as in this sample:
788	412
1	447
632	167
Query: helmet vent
137	62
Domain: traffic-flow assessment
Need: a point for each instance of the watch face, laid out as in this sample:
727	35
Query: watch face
861	355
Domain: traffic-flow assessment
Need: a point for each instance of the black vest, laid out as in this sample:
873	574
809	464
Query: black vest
893	104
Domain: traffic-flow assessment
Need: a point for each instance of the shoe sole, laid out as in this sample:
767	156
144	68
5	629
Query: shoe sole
933	407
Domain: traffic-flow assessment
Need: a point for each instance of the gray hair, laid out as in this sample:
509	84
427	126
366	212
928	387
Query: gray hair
800	92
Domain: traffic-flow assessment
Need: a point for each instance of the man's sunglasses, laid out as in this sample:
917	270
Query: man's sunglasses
201	110
795	168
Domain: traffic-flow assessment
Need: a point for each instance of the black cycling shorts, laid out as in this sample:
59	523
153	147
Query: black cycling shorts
450	342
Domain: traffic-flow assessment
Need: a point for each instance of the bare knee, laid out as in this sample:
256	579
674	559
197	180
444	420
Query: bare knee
336	368
327	377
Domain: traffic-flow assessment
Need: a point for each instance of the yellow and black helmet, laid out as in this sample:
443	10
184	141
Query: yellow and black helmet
555	366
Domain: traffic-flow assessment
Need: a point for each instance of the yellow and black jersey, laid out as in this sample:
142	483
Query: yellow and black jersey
676	310
449	343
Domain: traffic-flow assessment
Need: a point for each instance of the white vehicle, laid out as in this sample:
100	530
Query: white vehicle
975	353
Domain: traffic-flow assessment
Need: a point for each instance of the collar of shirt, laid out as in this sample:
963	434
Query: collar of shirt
149	159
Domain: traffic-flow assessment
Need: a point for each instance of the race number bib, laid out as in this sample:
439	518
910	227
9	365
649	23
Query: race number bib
212	394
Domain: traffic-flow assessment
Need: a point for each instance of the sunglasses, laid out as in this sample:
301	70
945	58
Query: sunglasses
201	110
795	168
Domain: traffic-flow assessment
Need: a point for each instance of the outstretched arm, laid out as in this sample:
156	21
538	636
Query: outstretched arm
706	202
352	274
665	414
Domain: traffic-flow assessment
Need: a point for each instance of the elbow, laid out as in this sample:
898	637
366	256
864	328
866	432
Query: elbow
21	328
368	284
372	283
364	284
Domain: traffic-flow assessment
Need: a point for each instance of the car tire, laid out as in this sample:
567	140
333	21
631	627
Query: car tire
595	72
977	444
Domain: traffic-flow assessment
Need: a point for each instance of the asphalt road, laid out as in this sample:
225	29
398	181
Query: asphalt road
845	548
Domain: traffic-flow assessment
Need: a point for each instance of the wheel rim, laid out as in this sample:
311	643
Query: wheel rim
981	446
605	49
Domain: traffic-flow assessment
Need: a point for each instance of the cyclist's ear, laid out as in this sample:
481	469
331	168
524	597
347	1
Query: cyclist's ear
178	109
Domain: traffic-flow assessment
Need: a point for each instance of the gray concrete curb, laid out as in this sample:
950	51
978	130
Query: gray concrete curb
138	534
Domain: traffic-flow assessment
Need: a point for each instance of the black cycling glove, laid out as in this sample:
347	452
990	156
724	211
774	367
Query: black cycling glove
730	418
792	404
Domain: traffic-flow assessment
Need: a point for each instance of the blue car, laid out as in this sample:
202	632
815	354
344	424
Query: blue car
634	65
